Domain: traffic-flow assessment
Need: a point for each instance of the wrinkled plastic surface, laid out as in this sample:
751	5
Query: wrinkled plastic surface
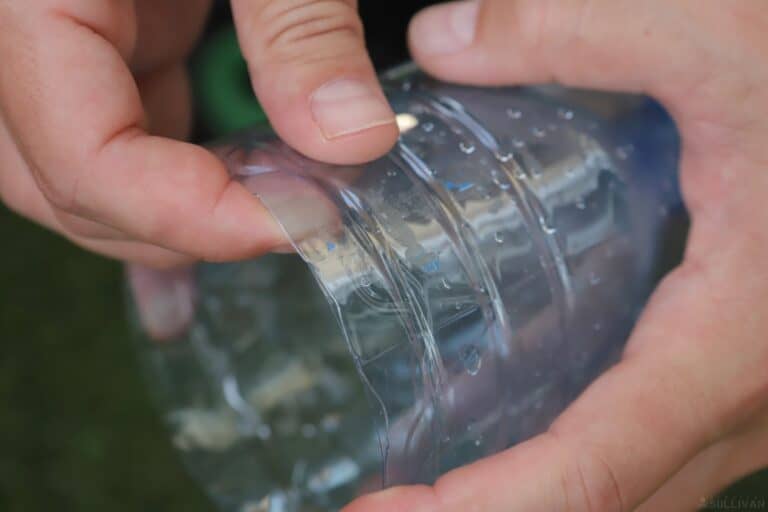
456	294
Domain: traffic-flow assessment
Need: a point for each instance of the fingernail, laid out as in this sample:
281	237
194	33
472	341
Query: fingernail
445	29
345	106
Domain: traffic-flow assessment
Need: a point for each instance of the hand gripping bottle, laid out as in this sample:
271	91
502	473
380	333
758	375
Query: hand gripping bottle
443	303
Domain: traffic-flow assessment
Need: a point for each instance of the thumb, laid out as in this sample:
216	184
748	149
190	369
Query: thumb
604	44
311	71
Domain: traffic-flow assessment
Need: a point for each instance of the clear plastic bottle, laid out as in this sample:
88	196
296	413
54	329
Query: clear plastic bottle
445	302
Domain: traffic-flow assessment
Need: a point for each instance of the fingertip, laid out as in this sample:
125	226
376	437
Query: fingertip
247	225
444	29
442	40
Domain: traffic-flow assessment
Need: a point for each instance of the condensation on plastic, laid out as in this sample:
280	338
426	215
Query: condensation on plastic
479	276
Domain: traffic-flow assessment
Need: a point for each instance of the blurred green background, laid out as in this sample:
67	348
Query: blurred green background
77	427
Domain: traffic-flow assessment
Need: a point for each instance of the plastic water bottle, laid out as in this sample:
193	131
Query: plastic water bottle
444	303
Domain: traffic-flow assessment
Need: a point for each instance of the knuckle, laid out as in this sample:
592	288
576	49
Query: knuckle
590	485
547	27
587	482
294	28
115	21
59	193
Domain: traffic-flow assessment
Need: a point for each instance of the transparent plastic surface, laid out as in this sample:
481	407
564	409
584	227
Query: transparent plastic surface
454	296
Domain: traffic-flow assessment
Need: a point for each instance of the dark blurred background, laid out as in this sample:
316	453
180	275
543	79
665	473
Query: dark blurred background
77	427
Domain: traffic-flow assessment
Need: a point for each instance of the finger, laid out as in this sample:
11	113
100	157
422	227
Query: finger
165	299
639	423
162	192
167	32
138	253
627	46
166	97
604	44
711	471
311	71
537	41
19	192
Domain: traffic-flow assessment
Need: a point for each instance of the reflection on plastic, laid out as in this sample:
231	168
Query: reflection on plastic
479	276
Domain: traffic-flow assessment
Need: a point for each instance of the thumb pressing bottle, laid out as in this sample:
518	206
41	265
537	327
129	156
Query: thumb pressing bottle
443	303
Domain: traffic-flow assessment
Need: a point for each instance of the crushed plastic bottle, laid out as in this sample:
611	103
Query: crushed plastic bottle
445	302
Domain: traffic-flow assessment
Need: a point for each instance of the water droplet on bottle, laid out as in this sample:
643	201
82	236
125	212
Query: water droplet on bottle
518	143
331	422
623	152
308	430
594	279
564	113
549	230
597	326
478	441
391	173
581	205
472	359
514	113
504	157
538	132
428	127
263	432
407	85
446	284
499	237
503	185
467	147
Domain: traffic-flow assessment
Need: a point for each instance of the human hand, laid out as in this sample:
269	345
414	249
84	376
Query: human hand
685	412
92	92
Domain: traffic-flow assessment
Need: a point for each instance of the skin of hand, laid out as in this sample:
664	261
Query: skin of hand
685	412
94	99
